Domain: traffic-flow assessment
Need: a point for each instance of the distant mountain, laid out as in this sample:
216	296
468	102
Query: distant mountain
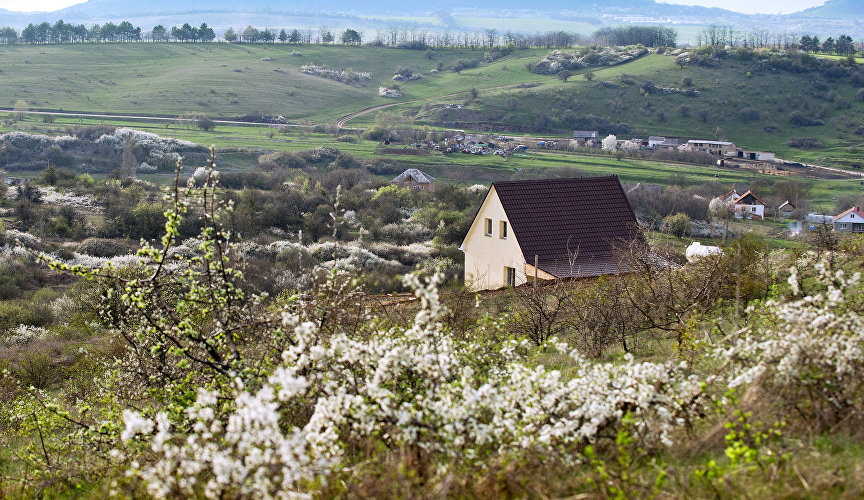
114	9
837	9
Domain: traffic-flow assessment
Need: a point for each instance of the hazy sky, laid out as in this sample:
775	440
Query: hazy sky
765	6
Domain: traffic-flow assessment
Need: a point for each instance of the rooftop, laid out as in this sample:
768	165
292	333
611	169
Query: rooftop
573	226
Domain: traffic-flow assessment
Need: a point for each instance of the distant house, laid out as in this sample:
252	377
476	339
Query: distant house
745	206
587	138
414	179
786	209
850	221
570	227
716	148
655	140
669	144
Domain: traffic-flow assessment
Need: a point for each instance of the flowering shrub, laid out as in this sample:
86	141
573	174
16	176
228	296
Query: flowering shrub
390	93
808	353
414	387
340	75
559	60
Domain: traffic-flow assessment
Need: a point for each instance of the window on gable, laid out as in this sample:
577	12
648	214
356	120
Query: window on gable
503	230
488	227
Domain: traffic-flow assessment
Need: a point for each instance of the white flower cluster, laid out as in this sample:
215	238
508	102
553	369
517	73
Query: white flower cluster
23	335
340	75
559	60
160	149
36	141
407	387
51	196
389	93
815	343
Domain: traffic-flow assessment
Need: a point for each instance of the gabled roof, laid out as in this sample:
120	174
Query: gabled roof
412	174
748	198
853	210
586	134
786	204
573	226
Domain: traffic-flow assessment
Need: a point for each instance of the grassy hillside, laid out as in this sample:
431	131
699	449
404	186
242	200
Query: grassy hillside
736	100
228	80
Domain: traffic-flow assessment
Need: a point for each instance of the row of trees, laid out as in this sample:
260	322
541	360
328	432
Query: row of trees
650	36
727	36
403	37
62	32
843	45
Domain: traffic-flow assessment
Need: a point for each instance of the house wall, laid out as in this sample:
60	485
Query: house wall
849	223
741	210
487	256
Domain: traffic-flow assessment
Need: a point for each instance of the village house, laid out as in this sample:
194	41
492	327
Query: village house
786	209
716	148
548	229
414	179
587	138
655	140
744	206
850	221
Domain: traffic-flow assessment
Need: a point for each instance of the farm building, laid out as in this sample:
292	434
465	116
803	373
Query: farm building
587	138
548	229
717	148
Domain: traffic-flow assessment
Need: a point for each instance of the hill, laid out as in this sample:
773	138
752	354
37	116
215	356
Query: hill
748	102
837	9
230	81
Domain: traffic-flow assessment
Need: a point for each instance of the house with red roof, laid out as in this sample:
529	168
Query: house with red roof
548	229
850	221
745	206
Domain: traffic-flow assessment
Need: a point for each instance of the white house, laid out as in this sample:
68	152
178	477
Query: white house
745	206
569	227
850	221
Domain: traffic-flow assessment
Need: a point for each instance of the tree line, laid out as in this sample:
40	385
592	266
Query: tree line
62	32
723	36
394	36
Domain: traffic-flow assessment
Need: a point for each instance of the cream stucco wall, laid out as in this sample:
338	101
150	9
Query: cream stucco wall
487	256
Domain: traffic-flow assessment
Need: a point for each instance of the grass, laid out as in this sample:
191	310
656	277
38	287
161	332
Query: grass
224	80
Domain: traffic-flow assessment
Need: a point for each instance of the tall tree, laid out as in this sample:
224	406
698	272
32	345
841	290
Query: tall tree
230	35
283	36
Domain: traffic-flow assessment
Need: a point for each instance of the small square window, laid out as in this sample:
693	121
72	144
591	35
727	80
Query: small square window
488	227
503	230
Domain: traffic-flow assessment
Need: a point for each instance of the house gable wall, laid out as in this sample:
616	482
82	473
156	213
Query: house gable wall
487	256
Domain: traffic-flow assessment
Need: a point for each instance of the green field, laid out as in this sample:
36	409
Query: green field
223	80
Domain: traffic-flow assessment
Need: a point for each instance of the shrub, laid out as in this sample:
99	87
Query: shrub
859	96
805	143
799	119
686	82
750	114
859	131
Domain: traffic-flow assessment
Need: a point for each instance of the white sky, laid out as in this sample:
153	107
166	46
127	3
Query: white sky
36	5
762	6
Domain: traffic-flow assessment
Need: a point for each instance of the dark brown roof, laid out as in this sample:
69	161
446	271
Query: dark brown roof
573	225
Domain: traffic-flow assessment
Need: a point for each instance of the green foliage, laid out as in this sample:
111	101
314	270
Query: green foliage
676	224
